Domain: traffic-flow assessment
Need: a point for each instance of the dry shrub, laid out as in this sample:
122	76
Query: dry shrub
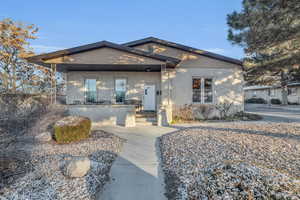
224	109
183	113
203	111
19	111
192	112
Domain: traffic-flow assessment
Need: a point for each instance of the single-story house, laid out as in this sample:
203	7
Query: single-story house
109	82
274	92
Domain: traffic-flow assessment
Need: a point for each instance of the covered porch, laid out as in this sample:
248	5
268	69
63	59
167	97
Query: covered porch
109	83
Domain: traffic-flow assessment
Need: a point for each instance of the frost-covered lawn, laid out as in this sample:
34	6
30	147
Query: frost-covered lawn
233	161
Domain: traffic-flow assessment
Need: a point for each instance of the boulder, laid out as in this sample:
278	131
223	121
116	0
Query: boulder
77	167
44	137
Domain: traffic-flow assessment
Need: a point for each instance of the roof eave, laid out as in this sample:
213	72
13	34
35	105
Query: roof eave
40	59
185	48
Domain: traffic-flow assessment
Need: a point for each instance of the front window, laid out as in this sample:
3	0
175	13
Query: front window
208	93
90	91
202	90
197	90
120	89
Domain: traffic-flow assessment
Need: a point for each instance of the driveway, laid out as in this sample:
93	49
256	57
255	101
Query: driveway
275	113
136	173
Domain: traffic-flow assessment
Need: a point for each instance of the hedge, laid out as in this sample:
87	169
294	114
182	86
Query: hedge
72	129
256	100
275	101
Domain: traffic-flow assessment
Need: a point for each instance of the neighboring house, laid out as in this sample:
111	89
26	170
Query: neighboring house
273	92
108	81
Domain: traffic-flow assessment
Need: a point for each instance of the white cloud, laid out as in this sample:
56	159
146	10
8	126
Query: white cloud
216	50
45	48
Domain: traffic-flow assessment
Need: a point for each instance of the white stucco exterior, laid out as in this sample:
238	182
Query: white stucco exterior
172	73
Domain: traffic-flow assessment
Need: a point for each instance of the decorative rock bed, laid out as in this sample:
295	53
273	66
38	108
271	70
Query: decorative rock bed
45	179
233	161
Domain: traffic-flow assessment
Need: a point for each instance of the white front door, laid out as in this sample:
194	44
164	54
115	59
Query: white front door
149	97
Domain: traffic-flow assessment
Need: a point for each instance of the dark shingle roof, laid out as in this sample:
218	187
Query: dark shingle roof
184	48
40	58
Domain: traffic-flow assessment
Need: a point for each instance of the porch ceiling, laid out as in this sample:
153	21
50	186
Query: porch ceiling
101	67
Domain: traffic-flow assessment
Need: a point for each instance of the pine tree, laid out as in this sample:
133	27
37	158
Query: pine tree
269	32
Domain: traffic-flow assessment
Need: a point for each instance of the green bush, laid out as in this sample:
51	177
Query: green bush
275	101
256	100
72	129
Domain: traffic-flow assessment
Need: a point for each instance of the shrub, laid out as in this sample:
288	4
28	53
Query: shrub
224	109
247	116
183	113
256	100
202	112
71	129
275	101
192	112
19	112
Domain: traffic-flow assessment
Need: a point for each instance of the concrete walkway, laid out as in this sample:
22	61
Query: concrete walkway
136	173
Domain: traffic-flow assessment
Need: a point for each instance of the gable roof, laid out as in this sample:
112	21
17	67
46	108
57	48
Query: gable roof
39	59
184	48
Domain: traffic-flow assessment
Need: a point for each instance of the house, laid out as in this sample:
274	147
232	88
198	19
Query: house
109	82
274	92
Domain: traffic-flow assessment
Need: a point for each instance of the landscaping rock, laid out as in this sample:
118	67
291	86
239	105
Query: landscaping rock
44	137
264	161
240	180
77	167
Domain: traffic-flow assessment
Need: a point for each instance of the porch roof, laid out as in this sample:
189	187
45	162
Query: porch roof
133	59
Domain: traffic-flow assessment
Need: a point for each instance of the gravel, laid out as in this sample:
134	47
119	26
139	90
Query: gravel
233	161
44	180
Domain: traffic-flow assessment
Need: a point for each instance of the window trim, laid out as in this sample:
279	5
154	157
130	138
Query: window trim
202	89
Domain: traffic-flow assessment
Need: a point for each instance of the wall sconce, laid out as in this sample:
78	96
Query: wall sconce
148	69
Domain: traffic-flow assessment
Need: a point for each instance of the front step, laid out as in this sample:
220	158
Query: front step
144	114
146	118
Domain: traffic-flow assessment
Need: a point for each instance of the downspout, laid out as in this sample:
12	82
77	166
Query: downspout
169	87
53	83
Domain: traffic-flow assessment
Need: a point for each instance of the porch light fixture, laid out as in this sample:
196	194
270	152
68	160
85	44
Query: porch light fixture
148	69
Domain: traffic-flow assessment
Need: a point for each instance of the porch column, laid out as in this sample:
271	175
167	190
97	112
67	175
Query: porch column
165	86
53	83
164	112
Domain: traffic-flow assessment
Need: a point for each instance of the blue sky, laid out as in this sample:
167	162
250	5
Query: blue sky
69	23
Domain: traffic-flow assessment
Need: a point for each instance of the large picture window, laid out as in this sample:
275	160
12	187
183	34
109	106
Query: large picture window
90	91
202	90
120	89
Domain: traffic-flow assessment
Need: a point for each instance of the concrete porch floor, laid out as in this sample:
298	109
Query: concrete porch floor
136	173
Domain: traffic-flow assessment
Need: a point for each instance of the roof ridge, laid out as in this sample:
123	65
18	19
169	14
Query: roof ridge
95	45
183	47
